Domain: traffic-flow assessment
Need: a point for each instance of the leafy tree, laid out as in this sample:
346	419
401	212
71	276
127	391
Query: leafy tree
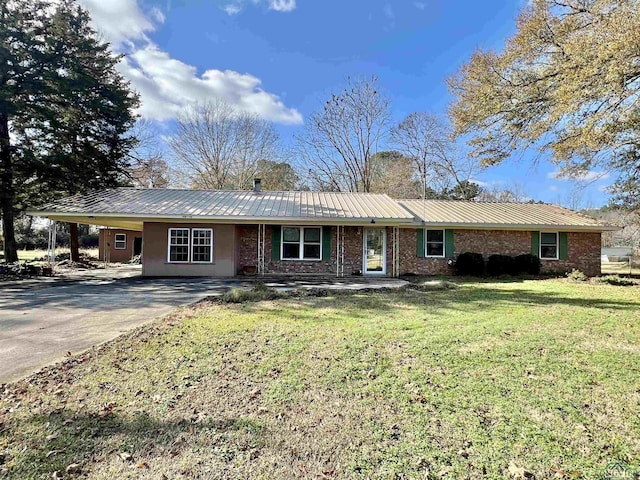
277	175
567	82
64	109
394	174
465	190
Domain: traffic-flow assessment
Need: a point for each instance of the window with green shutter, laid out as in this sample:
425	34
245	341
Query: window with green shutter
276	233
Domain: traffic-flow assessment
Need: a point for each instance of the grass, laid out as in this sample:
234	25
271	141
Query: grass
485	380
30	255
620	268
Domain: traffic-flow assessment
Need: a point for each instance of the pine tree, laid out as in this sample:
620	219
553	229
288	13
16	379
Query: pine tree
69	117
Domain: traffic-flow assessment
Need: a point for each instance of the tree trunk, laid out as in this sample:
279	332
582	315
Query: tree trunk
7	192
73	239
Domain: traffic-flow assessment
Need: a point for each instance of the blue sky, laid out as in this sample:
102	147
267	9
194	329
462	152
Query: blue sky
281	58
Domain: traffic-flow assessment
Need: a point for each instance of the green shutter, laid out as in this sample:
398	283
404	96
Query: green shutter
276	234
326	244
420	244
563	246
448	243
535	243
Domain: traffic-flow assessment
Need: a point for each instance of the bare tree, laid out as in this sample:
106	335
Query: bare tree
147	168
218	147
514	192
339	141
426	139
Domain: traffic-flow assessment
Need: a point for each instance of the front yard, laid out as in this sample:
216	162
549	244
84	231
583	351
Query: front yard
485	380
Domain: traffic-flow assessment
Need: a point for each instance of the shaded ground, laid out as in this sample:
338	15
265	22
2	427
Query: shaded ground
486	380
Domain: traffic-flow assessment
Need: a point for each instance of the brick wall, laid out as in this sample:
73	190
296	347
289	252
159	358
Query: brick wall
247	253
583	252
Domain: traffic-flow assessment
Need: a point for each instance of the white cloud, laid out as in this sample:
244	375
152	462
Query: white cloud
122	21
232	9
166	85
420	5
282	5
588	176
236	6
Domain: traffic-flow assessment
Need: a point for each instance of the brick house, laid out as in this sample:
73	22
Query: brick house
229	233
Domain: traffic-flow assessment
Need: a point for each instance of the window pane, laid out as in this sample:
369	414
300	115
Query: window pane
312	251
291	250
291	234
435	236
312	235
201	237
201	254
435	249
180	237
179	254
548	251
548	238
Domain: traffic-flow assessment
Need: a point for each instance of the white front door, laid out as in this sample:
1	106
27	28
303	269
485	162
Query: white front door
375	251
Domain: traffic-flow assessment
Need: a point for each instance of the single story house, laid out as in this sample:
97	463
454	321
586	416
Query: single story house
227	233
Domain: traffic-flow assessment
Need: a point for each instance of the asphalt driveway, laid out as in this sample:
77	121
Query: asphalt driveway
41	321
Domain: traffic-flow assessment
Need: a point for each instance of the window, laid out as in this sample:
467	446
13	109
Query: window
435	243
121	241
179	245
301	243
202	245
549	245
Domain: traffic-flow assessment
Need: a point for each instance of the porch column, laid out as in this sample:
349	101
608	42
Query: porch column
340	251
262	233
395	243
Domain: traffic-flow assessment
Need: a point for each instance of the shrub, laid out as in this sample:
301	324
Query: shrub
258	293
617	281
501	265
469	263
527	263
576	275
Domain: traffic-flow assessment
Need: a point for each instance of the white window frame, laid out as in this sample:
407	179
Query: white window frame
169	245
301	243
191	247
426	242
557	245
116	241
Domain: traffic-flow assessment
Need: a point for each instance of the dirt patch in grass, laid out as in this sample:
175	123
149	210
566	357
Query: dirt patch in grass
484	380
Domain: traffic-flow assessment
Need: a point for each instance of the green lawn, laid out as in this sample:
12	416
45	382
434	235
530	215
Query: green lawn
486	380
29	255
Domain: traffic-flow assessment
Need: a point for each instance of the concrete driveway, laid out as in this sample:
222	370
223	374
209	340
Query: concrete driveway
42	320
39	323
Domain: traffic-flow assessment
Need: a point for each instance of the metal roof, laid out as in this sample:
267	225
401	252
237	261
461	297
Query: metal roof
500	215
130	207
231	205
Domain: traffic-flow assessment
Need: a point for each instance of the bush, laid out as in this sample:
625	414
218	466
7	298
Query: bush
576	275
617	281
469	263
527	263
258	293
501	265
88	241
